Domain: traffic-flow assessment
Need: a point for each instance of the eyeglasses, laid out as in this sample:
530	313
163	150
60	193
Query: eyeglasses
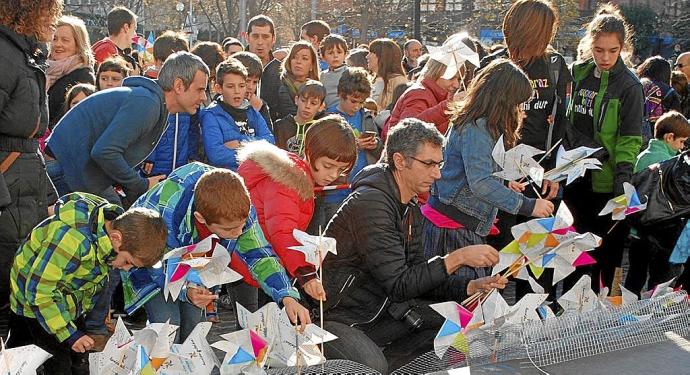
430	163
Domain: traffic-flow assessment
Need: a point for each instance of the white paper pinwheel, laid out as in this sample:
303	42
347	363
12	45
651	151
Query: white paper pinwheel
193	356
525	309
192	264
22	360
245	352
451	333
624	205
453	53
518	162
315	248
118	355
573	164
580	298
490	313
155	341
273	324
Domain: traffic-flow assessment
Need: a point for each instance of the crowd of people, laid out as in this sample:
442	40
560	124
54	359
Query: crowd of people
108	162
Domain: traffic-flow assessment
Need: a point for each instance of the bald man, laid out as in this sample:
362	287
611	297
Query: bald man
683	63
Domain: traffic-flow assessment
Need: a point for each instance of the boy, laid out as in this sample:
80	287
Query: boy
196	201
289	131
313	32
165	45
122	27
651	245
254	70
333	51
59	270
230	119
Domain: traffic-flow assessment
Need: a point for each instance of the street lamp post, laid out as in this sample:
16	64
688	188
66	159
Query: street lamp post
180	9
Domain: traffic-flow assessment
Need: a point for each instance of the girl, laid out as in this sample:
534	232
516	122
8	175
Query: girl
300	65
111	72
385	62
77	93
606	110
281	186
465	201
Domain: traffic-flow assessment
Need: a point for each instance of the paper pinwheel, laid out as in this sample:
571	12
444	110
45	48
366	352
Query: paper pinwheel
193	356
573	164
311	246
245	352
526	308
191	264
453	53
23	360
273	324
155	341
450	335
627	297
570	254
118	355
517	162
624	205
659	290
490	313
580	298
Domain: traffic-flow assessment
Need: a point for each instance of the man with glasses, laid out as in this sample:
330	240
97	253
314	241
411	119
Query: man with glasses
379	286
683	64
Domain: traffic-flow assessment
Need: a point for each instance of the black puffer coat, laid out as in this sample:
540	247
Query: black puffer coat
380	253
23	118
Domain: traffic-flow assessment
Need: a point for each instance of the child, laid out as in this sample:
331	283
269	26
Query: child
465	200
371	106
165	45
299	66
254	69
670	133
230	119
78	93
111	72
290	130
197	200
281	187
333	52
60	269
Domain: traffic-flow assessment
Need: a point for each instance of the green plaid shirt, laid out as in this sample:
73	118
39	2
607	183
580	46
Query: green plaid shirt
63	263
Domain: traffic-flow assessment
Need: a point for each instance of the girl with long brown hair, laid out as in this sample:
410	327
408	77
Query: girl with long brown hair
300	65
385	62
465	201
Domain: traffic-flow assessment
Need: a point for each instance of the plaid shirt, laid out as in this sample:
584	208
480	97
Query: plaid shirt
63	263
253	256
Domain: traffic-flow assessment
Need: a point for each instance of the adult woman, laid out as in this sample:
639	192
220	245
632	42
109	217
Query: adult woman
24	116
70	62
464	202
427	99
300	65
385	62
606	109
281	186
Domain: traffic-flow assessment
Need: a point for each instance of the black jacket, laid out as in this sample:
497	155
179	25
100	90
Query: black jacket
380	253
56	92
270	84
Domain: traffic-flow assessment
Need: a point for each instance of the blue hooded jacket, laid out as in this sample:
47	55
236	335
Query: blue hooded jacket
99	142
178	145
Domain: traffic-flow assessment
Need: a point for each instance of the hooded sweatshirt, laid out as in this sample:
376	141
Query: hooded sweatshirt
100	141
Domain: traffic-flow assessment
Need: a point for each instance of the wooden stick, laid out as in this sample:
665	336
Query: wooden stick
323	355
614	225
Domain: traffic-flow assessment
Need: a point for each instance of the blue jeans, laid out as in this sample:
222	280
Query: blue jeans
94	321
182	314
57	176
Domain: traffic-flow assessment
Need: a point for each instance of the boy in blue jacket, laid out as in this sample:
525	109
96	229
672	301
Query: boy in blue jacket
230	119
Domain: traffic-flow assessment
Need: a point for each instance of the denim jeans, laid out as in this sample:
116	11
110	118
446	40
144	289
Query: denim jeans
94	321
57	176
182	314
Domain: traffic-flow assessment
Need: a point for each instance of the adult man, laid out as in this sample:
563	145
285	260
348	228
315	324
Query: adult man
379	285
98	144
122	26
412	50
314	32
683	64
261	36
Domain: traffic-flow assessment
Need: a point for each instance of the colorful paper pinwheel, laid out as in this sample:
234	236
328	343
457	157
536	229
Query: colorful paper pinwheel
624	205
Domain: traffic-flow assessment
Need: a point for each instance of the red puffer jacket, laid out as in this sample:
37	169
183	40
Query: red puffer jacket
426	101
282	191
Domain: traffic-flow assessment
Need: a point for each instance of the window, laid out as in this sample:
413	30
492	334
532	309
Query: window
454	5
427	6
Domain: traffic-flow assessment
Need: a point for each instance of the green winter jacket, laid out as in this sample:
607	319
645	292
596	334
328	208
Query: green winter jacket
657	151
616	122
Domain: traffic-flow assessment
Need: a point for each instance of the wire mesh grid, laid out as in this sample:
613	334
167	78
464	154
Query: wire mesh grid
334	366
567	337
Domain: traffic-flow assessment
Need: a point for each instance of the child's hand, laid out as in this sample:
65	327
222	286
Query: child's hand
296	312
367	143
153	180
516	186
255	101
84	344
314	289
232	144
200	297
542	208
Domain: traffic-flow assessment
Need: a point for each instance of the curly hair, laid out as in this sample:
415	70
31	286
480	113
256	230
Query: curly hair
26	17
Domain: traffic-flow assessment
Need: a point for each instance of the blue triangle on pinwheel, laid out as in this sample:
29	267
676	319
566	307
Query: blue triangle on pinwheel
241	357
634	200
547	223
547	258
448	328
144	356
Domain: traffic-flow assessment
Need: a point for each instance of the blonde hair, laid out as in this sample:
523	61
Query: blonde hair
81	38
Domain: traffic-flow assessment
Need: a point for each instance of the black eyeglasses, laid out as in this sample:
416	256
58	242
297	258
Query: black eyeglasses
430	163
